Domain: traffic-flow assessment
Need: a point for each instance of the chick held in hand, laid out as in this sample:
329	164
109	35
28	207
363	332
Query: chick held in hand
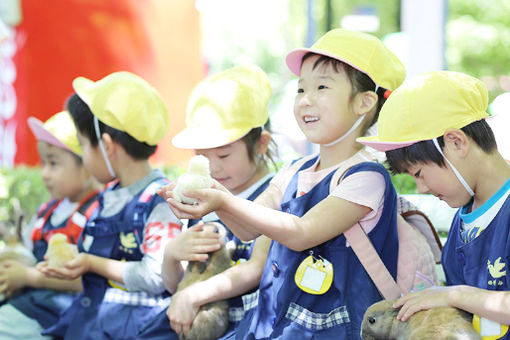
60	250
197	177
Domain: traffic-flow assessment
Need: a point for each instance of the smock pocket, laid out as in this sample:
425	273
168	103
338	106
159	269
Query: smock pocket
317	321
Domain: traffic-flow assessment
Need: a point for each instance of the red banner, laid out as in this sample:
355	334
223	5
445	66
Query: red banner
53	44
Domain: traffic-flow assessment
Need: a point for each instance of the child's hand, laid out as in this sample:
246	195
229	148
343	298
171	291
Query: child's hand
13	276
165	189
193	244
426	299
207	200
182	311
71	270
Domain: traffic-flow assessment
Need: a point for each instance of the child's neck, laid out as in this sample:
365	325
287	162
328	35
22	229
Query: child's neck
132	172
491	173
335	154
90	185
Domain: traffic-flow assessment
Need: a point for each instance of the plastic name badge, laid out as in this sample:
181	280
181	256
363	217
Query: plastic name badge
314	276
488	329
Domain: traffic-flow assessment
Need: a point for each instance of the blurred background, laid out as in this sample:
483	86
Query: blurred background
173	44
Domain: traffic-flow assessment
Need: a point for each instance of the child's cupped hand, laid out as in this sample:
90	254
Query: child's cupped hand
193	244
208	200
69	271
13	276
182	311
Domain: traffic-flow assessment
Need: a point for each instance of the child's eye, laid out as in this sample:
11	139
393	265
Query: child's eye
223	156
300	90
322	87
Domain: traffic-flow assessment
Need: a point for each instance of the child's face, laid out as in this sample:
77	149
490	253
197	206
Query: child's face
63	176
322	107
231	166
439	181
93	160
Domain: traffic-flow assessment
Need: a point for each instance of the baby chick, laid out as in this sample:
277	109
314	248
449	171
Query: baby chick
197	177
60	251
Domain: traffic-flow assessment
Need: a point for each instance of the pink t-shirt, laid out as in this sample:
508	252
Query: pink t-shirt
364	188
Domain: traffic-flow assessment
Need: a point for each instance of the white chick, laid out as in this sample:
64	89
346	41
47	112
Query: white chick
197	177
60	251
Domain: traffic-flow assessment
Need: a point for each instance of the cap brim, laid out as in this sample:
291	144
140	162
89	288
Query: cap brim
82	86
375	143
192	138
41	134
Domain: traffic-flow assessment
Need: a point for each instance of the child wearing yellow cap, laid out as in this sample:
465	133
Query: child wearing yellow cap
36	301
313	285
227	121
120	119
434	129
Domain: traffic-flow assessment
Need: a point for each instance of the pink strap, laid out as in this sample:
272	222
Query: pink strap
367	255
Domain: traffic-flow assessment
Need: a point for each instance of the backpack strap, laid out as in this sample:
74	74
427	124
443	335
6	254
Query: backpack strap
376	269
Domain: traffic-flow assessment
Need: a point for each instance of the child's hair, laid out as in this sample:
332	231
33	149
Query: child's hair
251	140
399	160
84	121
360	81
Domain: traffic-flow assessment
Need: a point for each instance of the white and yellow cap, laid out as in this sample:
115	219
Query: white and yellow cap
426	106
58	130
362	51
127	103
225	107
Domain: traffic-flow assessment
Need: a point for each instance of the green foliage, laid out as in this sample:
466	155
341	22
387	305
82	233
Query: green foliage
404	184
22	190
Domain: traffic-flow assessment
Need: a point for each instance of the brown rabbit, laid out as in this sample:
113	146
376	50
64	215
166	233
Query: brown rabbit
380	322
211	321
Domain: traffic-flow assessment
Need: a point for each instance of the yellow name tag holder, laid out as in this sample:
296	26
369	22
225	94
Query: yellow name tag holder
314	276
488	329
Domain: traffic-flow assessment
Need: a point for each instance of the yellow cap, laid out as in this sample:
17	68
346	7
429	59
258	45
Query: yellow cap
225	107
58	130
126	102
362	51
426	106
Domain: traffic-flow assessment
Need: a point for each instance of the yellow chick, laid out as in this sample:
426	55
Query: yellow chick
60	251
197	177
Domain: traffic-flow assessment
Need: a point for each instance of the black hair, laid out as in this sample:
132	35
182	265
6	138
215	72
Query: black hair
84	120
251	139
399	160
360	81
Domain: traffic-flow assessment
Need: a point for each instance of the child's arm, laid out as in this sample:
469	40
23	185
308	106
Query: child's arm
232	282
191	245
329	218
492	305
15	276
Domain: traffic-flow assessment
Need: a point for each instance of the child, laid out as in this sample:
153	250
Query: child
73	199
120	119
318	287
227	121
434	129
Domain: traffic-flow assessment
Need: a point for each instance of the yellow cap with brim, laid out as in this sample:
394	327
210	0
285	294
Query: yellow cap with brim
225	107
126	102
59	130
426	106
362	51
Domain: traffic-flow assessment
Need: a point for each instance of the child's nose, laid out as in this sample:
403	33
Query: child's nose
421	186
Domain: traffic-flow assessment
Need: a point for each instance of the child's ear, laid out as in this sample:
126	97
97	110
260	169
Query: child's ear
365	102
457	140
108	142
263	142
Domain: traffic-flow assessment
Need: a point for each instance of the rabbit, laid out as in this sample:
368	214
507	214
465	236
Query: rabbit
380	322
197	177
212	319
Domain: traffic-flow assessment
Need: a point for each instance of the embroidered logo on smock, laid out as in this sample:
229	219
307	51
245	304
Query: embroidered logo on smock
127	242
497	270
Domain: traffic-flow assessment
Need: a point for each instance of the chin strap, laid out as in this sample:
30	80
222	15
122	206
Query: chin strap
455	171
358	122
103	150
